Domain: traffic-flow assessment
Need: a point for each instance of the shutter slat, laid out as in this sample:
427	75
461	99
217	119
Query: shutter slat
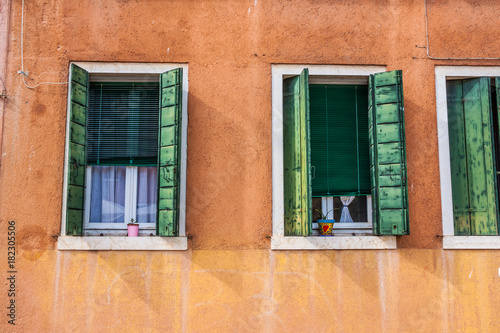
169	142
388	154
296	158
76	150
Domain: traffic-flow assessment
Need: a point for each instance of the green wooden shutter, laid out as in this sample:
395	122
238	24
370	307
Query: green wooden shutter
472	160
296	156
76	150
169	154
496	144
388	154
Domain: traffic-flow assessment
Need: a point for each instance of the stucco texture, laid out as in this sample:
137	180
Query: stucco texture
258	291
229	279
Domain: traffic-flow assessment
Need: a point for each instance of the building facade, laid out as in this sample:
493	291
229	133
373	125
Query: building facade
215	252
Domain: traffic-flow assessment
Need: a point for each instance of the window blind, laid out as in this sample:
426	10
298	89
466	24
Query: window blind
339	140
122	126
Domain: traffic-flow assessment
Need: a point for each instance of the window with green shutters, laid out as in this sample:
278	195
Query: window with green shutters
473	129
343	144
124	153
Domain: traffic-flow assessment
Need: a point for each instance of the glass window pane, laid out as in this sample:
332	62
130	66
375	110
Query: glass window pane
107	198
316	207
146	194
357	209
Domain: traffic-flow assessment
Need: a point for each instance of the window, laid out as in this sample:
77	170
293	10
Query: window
340	164
468	124
338	139
126	150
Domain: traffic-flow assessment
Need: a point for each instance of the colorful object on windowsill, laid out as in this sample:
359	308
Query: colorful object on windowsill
132	228
325	227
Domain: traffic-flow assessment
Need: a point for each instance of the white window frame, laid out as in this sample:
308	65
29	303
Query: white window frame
317	74
444	73
110	241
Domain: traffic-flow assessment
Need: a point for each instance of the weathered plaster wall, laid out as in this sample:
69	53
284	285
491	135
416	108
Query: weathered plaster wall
229	279
259	291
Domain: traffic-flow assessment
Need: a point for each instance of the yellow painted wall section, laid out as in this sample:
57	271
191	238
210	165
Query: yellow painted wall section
259	291
229	280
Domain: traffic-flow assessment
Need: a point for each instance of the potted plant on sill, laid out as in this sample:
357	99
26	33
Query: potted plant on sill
325	225
132	228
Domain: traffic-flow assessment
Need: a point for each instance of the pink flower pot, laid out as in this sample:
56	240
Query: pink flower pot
133	230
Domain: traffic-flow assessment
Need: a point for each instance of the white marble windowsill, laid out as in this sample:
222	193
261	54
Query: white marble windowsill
142	243
471	242
333	243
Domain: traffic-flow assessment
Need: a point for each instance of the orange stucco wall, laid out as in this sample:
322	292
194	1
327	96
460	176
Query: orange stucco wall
229	279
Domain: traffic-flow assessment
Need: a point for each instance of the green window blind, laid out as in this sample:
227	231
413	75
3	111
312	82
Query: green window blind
339	140
122	127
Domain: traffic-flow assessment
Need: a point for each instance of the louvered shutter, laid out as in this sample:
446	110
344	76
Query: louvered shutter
388	154
296	156
497	142
472	160
169	153
76	150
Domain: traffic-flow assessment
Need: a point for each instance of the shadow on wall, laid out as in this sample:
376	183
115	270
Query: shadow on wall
227	156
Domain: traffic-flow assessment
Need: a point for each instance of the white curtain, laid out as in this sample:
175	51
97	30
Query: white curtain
346	216
146	194
107	198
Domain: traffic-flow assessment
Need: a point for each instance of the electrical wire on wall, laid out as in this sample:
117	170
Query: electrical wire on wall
427	38
22	72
